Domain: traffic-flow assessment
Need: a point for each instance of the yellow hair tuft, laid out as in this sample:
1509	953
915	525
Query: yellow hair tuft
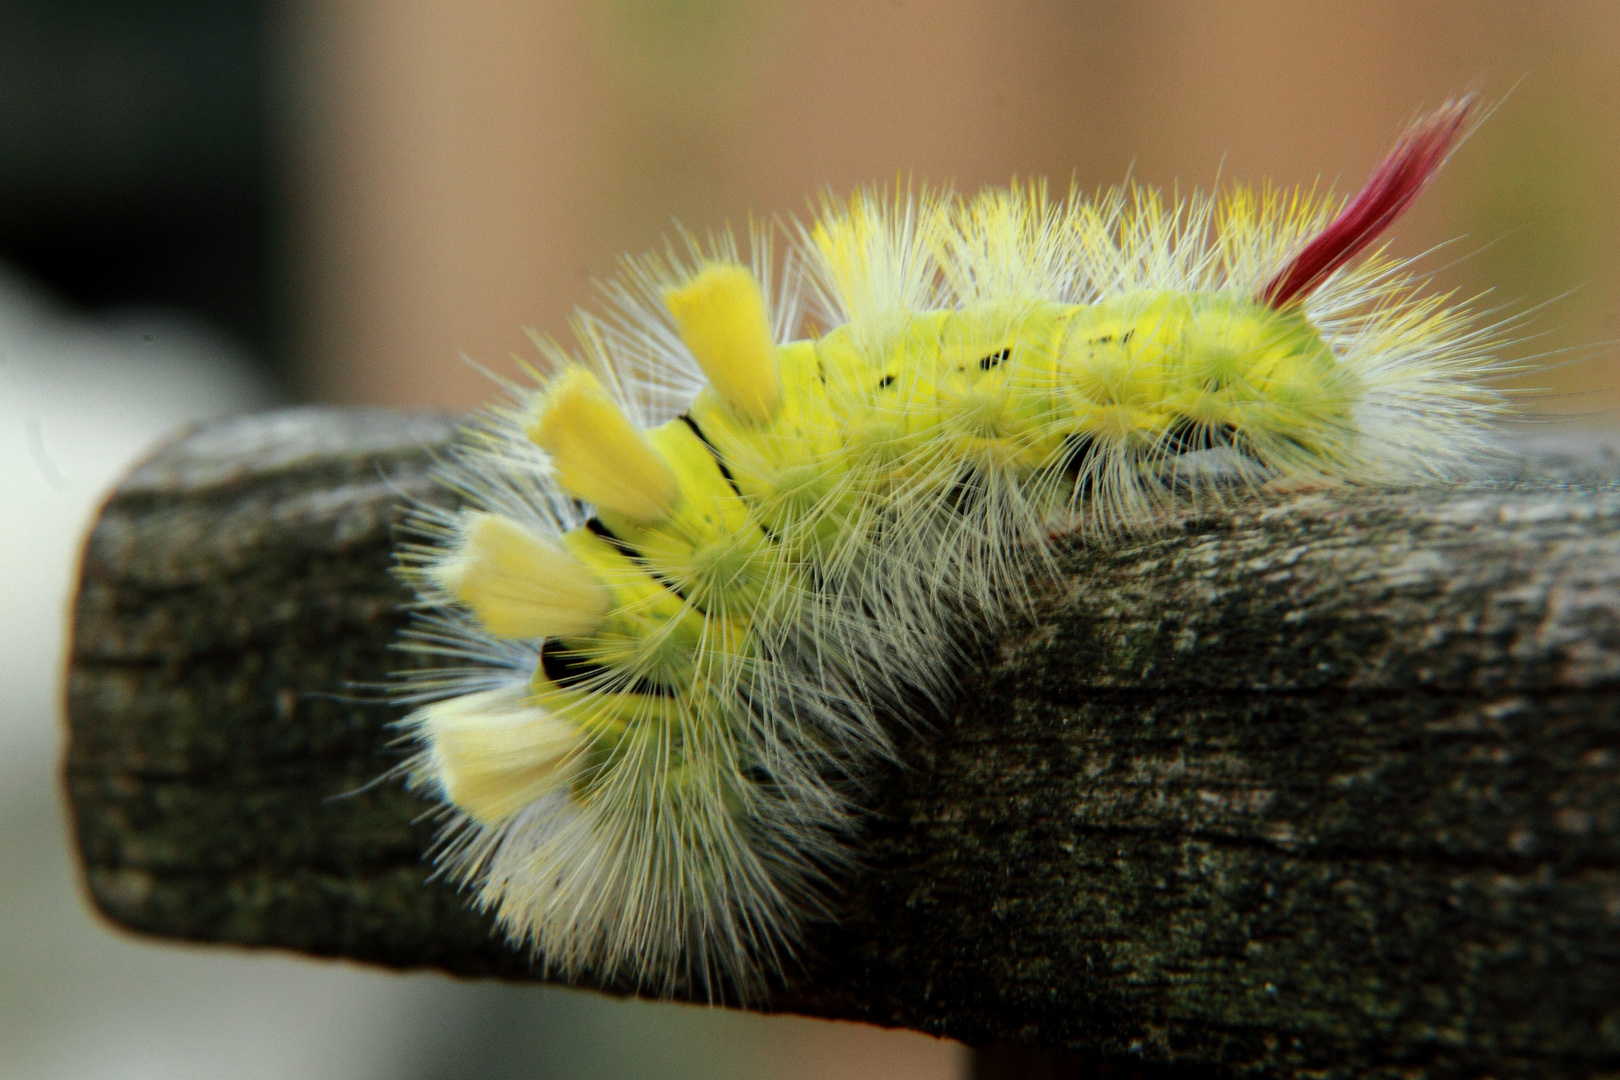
495	751
599	455
721	316
519	585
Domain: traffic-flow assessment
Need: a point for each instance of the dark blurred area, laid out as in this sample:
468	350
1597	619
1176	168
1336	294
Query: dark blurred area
135	158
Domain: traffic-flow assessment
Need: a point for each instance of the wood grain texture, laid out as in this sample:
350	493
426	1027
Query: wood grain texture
1323	785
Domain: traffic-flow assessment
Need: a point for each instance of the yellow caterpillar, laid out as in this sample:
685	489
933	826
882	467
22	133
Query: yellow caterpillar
705	555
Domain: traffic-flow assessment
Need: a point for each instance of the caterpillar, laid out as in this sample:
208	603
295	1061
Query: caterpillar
752	508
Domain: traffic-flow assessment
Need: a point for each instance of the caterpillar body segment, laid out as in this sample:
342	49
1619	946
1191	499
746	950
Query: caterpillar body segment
679	635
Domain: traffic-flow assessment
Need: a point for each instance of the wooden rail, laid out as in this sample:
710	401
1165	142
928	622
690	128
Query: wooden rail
1322	785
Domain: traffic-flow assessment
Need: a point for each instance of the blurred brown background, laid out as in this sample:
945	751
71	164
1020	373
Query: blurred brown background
459	172
209	205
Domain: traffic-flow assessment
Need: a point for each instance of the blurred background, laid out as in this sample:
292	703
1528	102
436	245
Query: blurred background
213	206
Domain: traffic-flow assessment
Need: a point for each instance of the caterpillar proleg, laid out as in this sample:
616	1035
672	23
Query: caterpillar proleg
751	509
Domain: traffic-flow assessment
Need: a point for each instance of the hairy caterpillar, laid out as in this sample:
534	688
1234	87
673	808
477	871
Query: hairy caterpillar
711	548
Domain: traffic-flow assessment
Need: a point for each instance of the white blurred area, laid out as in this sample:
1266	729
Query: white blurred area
80	401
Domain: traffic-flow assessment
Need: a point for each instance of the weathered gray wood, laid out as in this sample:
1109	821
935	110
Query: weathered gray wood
1324	785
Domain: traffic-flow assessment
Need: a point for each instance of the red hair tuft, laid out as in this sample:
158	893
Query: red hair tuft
1385	196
